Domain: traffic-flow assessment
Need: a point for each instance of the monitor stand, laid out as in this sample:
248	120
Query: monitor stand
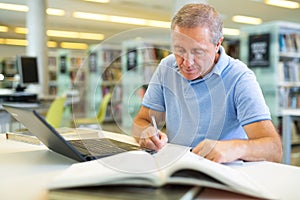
20	88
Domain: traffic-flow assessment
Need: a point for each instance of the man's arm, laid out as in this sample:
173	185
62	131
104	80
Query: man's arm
144	131
264	143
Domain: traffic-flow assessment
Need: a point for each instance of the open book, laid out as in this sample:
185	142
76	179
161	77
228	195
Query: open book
173	164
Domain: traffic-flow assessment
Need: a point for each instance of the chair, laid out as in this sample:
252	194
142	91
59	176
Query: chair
55	112
99	119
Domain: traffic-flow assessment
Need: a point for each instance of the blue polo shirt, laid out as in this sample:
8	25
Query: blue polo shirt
214	107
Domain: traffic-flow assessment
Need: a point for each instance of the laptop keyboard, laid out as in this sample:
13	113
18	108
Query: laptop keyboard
101	147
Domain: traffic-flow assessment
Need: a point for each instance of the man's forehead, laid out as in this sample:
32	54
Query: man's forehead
183	38
185	42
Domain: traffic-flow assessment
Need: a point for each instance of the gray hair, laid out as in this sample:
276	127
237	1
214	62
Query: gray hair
194	15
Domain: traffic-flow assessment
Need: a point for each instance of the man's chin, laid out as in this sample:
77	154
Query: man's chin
191	77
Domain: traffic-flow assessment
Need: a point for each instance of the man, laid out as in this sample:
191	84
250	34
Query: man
208	100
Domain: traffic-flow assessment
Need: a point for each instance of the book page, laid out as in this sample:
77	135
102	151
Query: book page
174	164
196	170
134	167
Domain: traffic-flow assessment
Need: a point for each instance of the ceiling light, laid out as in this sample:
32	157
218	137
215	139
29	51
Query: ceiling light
55	12
24	8
91	36
11	41
98	1
283	3
3	28
21	30
18	42
51	44
91	16
120	19
13	7
231	31
21	42
161	24
78	35
65	34
127	20
72	45
246	19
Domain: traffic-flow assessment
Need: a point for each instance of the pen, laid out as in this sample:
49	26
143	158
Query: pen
155	125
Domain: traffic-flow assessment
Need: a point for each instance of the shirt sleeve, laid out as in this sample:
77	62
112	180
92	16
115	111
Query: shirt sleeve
154	98
249	99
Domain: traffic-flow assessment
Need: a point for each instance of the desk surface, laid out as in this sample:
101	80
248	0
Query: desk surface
26	169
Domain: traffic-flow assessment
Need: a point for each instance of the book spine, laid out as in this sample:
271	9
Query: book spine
23	138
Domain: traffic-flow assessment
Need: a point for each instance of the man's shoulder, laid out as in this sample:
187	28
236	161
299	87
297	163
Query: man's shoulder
169	61
236	66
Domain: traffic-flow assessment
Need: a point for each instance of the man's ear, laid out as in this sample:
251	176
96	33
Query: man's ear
219	44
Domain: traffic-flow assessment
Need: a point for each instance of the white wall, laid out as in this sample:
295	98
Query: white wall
11	51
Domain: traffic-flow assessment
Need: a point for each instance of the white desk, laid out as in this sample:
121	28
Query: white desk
26	169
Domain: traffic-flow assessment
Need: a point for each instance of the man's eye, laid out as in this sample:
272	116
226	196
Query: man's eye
198	52
179	51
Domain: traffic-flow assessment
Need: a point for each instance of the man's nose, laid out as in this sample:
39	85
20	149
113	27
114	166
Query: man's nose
188	59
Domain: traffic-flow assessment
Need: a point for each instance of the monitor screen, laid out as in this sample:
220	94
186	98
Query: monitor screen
28	70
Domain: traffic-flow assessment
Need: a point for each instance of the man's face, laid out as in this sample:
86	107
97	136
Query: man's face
195	53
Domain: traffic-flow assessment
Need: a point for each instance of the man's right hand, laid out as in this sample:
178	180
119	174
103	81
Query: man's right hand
153	140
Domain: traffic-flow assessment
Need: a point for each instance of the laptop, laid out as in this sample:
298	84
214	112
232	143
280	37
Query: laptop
80	150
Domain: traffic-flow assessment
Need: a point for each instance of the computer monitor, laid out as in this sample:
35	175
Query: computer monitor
28	71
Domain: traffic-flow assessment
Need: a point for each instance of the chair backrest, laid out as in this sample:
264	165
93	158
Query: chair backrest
55	112
103	107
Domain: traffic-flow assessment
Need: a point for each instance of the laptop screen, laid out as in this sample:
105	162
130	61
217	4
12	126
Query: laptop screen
39	127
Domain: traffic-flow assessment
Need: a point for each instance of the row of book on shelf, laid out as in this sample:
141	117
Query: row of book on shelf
289	71
289	97
289	42
75	61
111	55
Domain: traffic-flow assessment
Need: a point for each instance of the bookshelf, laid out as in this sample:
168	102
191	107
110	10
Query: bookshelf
63	69
68	77
232	46
52	71
279	79
276	66
139	61
105	73
9	70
